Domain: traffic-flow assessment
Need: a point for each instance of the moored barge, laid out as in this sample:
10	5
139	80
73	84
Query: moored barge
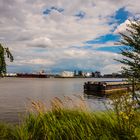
101	88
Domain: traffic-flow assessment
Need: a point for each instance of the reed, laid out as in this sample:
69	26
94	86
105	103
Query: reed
61	123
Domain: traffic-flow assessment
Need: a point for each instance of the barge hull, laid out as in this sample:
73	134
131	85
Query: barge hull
106	88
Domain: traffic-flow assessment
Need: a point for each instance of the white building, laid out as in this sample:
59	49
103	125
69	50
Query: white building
67	74
88	74
11	74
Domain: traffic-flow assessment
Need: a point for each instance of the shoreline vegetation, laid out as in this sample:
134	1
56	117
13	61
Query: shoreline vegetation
74	121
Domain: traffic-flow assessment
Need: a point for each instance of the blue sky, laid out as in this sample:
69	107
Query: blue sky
65	35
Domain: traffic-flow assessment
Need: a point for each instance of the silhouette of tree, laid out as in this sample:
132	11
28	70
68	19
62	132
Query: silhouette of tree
131	52
4	52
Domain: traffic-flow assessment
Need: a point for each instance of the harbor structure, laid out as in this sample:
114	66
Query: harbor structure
66	74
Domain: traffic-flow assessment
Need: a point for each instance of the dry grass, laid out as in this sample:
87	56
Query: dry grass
67	119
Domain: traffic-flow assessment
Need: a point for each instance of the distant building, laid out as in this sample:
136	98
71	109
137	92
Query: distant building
92	74
80	73
107	76
41	72
75	73
67	74
11	74
87	74
97	74
113	75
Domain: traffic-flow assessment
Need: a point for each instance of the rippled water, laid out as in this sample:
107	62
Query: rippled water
15	93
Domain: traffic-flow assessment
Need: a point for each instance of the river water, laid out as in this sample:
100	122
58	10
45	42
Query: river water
16	93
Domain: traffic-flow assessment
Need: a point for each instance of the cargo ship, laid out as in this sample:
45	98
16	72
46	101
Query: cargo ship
27	75
104	88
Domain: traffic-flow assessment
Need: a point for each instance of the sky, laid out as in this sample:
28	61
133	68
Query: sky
58	35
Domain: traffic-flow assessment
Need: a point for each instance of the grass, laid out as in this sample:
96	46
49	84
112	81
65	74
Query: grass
61	123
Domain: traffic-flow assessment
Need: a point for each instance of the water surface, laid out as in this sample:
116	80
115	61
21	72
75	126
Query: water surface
15	93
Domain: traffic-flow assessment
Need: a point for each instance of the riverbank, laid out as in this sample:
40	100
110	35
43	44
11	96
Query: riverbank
121	123
68	125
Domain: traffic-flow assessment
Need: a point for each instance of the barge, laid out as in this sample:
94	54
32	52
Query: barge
103	88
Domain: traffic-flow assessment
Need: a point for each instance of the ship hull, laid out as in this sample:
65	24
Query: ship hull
32	75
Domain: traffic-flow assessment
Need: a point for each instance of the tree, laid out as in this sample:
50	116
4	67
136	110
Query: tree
131	52
4	52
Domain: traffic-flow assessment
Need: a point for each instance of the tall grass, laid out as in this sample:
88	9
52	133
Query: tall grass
62	123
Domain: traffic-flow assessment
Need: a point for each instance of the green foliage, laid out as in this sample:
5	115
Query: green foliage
65	125
6	132
131	51
126	114
121	123
70	125
3	52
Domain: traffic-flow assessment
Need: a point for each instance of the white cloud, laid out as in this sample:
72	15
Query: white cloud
111	68
38	61
24	27
41	42
122	27
67	59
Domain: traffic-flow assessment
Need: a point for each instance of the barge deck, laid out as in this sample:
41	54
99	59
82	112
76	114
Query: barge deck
103	88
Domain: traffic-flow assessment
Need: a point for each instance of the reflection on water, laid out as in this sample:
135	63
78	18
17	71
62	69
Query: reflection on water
16	92
96	102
